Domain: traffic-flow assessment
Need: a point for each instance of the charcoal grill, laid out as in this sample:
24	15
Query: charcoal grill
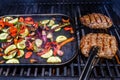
104	70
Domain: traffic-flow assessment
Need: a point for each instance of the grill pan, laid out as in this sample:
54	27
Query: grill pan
70	49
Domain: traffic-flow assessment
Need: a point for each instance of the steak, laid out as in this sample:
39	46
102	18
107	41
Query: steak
96	21
107	44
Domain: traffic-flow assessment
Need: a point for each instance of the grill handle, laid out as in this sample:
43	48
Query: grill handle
91	62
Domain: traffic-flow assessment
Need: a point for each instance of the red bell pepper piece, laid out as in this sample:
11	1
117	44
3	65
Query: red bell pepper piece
30	47
21	19
35	25
65	21
1	24
29	20
13	31
22	29
28	55
55	51
18	53
43	52
69	29
13	34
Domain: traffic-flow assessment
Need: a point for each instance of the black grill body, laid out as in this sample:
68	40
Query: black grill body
104	70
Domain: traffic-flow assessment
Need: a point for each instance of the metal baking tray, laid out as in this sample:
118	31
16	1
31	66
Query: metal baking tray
70	50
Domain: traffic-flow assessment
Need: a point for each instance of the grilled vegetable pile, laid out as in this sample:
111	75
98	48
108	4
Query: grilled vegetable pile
23	37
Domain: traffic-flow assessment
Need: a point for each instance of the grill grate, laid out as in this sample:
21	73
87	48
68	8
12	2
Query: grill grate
105	69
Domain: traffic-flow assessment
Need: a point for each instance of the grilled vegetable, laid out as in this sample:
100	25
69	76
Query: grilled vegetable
29	20
3	36
55	26
13	60
47	54
21	44
61	38
9	48
33	60
44	36
29	45
23	36
66	41
45	22
28	54
38	42
50	36
25	33
65	24
14	21
9	40
60	52
20	53
36	49
69	29
54	59
2	61
13	31
65	20
52	22
10	54
6	19
21	19
5	30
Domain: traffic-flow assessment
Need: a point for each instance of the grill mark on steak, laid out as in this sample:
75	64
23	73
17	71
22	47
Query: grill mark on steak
96	21
92	19
103	20
106	43
109	21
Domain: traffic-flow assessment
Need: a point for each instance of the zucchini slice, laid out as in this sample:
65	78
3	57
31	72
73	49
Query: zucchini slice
21	45
52	22
13	21
5	30
38	42
54	26
21	54
6	19
36	49
9	40
61	38
11	54
48	54
45	22
3	36
13	60
54	59
9	48
23	35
